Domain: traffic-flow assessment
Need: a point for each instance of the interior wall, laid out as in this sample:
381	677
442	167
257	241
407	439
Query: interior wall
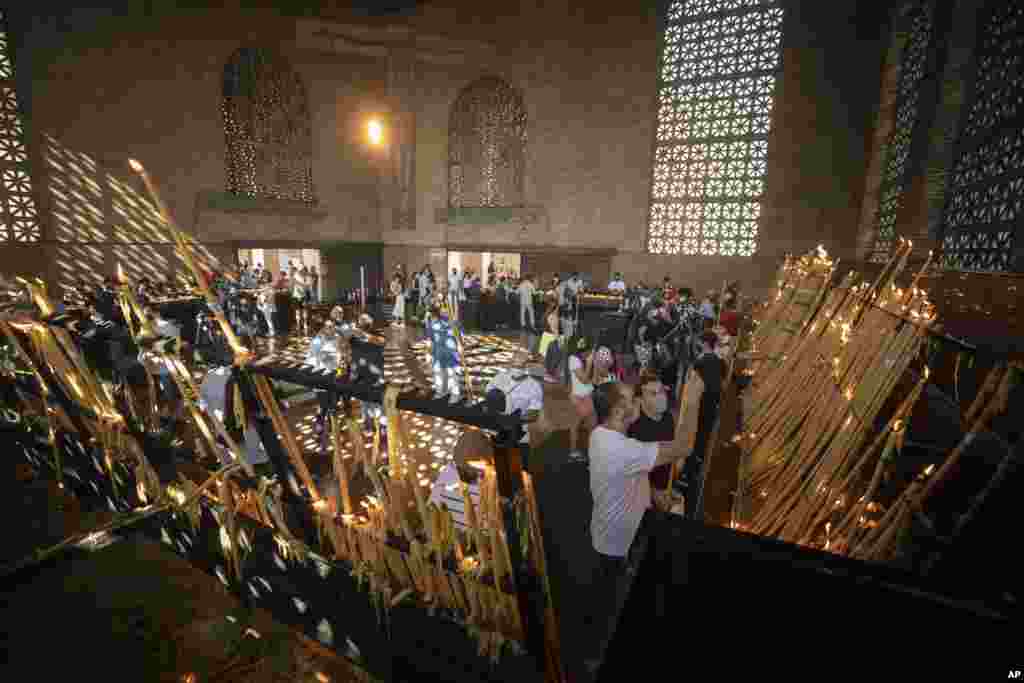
144	81
591	106
340	264
818	148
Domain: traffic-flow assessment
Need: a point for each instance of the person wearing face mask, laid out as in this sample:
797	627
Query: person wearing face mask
656	423
620	468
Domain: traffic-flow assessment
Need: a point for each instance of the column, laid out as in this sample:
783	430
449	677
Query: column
402	137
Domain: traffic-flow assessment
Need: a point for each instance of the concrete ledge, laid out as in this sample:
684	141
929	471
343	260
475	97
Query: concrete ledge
231	203
490	215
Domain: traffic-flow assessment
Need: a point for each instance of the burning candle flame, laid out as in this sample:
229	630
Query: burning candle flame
135	165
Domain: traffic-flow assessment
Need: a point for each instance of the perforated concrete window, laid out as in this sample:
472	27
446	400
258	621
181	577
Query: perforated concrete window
19	212
984	213
486	146
719	63
267	128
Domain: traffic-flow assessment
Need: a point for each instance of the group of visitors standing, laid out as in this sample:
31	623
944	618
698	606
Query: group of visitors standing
294	287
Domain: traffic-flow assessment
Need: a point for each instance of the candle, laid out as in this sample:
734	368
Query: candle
421	505
340	471
473	523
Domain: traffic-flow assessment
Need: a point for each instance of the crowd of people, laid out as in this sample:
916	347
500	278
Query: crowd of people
642	413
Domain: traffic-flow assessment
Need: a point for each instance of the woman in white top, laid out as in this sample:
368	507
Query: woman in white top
267	305
399	293
581	376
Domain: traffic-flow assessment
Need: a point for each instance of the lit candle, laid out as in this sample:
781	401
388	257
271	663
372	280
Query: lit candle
472	520
340	471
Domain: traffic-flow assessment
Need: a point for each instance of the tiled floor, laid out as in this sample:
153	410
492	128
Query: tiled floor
406	363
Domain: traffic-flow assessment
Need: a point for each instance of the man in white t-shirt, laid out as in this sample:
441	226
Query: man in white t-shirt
620	486
526	290
446	492
454	291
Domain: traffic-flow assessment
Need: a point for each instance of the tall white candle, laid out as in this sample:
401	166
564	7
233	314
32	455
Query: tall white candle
362	285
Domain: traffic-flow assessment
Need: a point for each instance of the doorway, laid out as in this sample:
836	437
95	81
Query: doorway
276	260
486	263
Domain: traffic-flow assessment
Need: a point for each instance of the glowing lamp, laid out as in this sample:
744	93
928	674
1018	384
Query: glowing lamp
375	131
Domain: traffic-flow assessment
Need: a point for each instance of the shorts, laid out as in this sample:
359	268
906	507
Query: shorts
584	405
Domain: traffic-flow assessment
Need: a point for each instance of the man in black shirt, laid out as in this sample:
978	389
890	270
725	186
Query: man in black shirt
654	424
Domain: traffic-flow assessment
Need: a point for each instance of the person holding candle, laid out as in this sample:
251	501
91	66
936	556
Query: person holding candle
655	423
620	469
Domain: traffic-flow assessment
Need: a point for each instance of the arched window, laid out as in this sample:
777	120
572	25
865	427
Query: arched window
719	60
486	146
267	128
18	210
983	223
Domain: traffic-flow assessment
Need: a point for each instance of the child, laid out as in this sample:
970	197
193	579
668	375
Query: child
444	351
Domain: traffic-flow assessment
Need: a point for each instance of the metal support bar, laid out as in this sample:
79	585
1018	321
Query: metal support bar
529	592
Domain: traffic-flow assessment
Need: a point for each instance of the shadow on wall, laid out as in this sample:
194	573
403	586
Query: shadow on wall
103	219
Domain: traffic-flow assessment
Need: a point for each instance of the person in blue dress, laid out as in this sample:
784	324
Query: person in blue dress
444	350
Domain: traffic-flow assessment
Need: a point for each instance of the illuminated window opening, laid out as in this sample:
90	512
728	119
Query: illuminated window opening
719	63
17	205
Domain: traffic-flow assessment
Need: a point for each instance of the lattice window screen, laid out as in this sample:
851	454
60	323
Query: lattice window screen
719	63
267	128
19	211
486	146
895	174
985	201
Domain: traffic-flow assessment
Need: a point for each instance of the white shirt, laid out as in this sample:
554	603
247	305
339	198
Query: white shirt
454	283
564	293
166	328
616	286
323	353
578	388
526	290
447	493
621	490
526	394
